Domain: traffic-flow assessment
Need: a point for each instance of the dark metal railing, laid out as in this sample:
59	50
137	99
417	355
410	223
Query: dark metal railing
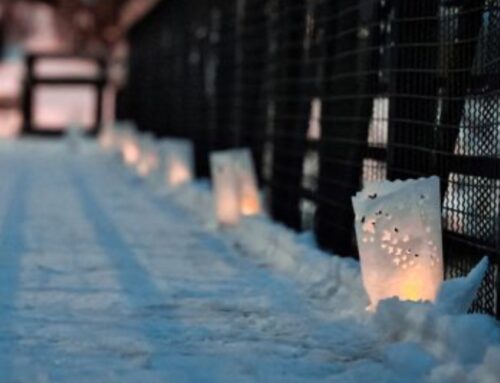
330	95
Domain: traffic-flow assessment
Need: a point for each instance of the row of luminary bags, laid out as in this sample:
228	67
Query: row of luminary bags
172	161
397	224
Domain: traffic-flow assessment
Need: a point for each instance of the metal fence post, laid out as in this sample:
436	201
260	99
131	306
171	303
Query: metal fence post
289	136
413	87
350	75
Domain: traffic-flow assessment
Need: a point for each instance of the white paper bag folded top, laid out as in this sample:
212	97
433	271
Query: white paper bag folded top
398	232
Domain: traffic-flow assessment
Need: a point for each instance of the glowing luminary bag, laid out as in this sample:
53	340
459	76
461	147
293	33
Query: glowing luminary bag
398	231
249	197
226	188
149	158
129	144
178	161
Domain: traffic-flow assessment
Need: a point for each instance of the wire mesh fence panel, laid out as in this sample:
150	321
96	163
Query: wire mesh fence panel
290	111
252	58
351	32
331	95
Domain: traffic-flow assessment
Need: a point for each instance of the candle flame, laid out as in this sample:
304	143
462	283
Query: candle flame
250	205
411	290
249	196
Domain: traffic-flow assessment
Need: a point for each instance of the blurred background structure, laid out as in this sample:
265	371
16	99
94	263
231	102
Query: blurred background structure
328	95
53	68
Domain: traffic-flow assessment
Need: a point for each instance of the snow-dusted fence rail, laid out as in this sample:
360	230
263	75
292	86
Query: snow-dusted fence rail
330	95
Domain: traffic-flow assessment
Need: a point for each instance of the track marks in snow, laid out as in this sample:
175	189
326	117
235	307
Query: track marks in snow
69	299
221	306
12	248
117	284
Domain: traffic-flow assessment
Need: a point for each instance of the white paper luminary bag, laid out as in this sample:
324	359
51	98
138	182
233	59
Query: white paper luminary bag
398	231
108	138
129	145
247	182
149	158
226	189
178	161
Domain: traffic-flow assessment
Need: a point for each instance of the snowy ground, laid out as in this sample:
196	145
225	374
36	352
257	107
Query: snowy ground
106	278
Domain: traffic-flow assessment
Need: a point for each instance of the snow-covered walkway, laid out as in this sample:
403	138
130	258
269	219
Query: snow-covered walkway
103	280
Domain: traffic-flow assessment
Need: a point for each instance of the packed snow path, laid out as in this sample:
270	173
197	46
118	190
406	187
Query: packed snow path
102	280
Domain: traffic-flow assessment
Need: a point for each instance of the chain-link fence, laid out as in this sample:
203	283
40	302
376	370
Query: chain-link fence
330	95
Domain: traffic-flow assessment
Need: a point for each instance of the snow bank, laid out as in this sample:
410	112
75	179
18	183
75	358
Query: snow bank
405	341
331	281
416	341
